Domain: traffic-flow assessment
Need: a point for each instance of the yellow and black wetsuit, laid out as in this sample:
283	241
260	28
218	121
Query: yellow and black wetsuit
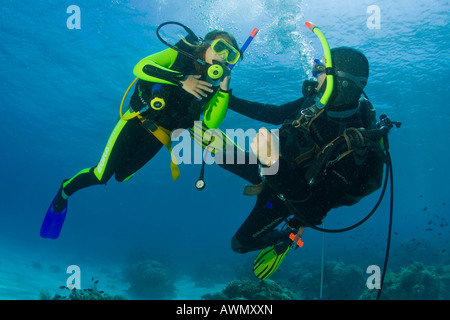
130	145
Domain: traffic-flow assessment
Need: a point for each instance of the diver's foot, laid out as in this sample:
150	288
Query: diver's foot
279	239
60	201
282	245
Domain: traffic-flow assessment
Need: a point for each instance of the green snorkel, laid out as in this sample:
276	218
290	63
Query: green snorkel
328	65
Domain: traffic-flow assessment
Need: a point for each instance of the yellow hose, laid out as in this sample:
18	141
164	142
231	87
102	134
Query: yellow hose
134	114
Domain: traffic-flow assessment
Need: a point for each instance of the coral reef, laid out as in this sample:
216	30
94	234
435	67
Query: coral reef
444	273
343	281
208	273
87	294
340	281
415	249
414	282
246	289
91	293
45	295
149	279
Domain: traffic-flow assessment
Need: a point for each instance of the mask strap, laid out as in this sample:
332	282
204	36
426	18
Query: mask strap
359	81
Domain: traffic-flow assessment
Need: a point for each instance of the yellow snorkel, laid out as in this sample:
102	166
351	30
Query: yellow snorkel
328	65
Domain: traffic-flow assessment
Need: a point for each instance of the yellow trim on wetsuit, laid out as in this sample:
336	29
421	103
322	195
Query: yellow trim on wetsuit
100	168
70	180
216	109
163	60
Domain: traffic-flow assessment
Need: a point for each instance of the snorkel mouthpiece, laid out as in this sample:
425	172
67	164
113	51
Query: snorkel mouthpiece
328	65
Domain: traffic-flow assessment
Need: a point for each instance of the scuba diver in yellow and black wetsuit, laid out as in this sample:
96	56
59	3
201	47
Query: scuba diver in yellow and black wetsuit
171	92
329	155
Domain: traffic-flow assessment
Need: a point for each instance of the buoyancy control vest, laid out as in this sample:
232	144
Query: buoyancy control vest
314	144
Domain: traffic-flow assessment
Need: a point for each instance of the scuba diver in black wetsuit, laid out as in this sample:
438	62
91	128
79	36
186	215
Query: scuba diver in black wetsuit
329	156
172	92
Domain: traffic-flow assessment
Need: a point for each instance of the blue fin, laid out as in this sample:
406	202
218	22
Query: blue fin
53	222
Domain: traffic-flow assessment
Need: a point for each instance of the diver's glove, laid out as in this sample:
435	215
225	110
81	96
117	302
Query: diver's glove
309	88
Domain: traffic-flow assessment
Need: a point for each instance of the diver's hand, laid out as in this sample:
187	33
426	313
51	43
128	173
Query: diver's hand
225	82
266	147
309	88
198	88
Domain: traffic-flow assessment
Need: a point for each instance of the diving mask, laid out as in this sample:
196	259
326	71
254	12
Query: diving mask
221	47
318	68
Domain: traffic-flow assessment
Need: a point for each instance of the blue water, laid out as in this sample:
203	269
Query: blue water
60	94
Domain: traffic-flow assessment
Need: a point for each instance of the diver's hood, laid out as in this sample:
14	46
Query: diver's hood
351	72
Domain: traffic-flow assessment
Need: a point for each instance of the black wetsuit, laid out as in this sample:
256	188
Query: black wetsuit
344	183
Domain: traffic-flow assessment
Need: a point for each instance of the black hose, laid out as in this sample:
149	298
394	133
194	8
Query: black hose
189	31
391	215
298	214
